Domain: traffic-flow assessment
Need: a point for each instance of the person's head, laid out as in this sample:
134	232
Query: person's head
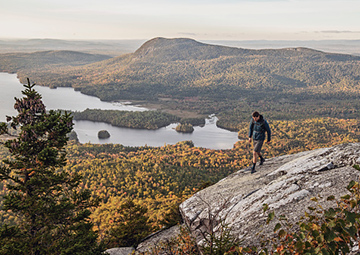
256	116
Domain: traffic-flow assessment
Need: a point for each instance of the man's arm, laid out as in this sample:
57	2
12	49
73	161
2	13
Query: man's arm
251	129
268	131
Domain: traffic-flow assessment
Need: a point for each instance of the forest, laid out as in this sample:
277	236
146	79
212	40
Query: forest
184	128
182	74
159	178
141	120
310	99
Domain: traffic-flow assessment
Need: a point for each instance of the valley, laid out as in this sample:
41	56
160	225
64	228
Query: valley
309	97
205	79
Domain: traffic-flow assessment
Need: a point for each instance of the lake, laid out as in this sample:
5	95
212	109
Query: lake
208	136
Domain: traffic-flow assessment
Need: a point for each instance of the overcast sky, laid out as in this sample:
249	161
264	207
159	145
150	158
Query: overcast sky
197	19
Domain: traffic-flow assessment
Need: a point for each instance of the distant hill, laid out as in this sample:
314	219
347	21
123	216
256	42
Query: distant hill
336	46
184	69
15	62
187	68
107	47
165	50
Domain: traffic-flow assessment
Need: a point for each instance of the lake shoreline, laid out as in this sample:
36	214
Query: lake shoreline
209	136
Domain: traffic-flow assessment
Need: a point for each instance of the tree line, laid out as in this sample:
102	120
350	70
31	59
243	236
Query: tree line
135	119
159	178
218	79
109	181
130	119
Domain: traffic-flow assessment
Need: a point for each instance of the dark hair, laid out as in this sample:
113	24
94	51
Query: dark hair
256	114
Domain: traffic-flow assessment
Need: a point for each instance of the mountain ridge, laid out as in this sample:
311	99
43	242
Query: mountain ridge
181	68
21	62
193	66
182	49
185	44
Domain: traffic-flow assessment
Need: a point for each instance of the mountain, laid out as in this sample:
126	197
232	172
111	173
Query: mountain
184	67
286	184
165	50
181	49
18	62
185	74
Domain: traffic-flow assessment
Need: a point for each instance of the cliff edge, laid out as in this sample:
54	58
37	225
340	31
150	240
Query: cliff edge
285	183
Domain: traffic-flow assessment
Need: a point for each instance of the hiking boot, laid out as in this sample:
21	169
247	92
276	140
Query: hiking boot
262	160
253	168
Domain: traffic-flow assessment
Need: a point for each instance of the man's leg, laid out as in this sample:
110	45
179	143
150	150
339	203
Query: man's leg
262	160
254	162
255	154
257	148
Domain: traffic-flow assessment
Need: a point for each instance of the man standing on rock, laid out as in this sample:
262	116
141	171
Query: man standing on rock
257	129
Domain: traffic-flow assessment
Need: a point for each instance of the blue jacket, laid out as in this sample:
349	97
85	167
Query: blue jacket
258	128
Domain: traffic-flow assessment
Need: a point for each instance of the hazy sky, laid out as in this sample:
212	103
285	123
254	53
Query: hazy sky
197	19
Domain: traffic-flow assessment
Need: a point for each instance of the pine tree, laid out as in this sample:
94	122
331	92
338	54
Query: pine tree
131	226
53	217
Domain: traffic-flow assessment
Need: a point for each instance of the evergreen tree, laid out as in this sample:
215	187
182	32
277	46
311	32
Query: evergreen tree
131	226
53	217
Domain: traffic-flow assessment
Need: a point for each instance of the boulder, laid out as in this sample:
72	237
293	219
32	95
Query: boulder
285	183
157	239
120	251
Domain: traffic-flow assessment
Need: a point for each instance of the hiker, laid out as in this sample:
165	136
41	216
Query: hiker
257	129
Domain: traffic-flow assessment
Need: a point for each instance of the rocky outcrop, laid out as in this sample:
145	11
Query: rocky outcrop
157	239
285	183
120	251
